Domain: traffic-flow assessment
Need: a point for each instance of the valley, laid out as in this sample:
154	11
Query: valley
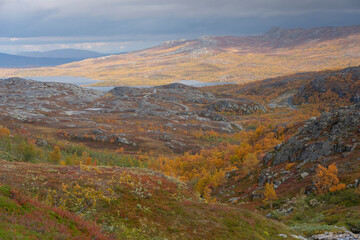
132	160
214	138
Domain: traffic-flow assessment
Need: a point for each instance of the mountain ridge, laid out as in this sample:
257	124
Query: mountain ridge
218	59
77	54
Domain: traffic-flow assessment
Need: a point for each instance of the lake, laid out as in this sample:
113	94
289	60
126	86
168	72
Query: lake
81	81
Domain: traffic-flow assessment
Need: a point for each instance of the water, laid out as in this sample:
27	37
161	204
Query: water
195	83
65	79
81	81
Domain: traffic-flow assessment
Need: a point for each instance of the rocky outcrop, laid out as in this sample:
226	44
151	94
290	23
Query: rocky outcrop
211	115
333	132
240	107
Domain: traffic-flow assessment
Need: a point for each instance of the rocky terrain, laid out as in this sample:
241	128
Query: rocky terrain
332	137
203	136
133	117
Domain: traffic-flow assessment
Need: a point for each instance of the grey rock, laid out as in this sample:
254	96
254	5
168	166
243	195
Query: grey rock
304	174
122	140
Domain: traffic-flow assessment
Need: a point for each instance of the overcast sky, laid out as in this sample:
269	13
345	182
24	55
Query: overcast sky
112	26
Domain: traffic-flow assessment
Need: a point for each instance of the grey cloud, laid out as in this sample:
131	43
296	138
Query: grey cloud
127	9
139	22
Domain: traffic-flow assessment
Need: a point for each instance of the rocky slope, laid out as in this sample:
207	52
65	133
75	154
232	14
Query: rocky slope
343	86
332	137
335	132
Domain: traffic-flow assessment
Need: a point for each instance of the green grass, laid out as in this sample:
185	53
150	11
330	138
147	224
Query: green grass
331	211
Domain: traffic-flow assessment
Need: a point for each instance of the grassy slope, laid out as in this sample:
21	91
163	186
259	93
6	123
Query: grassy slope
233	64
24	218
135	203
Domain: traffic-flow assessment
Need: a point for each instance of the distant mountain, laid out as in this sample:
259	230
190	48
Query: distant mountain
64	53
276	53
11	61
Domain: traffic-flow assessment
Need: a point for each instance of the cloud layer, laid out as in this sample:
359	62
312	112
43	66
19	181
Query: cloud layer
149	21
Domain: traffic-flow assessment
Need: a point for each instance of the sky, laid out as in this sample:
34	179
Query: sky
114	26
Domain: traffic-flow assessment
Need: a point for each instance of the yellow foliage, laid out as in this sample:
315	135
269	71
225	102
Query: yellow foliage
269	193
55	155
250	163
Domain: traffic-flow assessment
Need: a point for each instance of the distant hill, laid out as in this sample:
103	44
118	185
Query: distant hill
63	53
10	61
220	59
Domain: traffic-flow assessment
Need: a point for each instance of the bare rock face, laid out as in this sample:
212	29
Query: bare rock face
333	132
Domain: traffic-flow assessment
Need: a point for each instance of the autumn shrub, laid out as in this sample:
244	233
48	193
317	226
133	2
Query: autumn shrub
290	165
55	155
269	193
250	163
78	197
28	151
4	132
326	179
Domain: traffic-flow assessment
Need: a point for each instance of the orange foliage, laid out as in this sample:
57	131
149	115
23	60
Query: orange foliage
4	132
326	179
87	160
206	169
289	166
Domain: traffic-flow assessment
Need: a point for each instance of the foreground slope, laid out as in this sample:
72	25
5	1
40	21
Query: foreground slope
24	218
224	59
131	203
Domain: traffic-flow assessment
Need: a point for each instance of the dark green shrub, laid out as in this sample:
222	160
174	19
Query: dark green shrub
347	197
331	220
353	225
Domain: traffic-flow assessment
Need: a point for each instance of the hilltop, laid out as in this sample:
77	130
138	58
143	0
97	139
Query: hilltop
219	59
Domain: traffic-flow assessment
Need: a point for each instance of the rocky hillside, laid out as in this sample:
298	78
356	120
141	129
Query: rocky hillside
333	137
163	117
335	134
219	59
334	88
